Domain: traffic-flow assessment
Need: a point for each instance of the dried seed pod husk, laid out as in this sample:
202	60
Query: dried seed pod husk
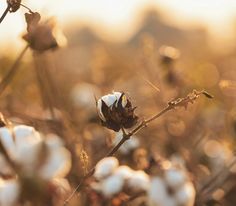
14	5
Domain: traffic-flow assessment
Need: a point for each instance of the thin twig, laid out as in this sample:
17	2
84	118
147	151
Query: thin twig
26	7
7	79
180	102
5	13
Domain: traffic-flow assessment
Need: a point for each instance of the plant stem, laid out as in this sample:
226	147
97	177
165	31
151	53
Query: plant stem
6	80
5	13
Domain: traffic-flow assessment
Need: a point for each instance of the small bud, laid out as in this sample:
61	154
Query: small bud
116	111
14	5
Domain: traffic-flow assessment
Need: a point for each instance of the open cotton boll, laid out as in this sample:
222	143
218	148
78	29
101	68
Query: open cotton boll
9	192
105	167
20	141
185	195
58	160
174	177
112	185
124	171
139	181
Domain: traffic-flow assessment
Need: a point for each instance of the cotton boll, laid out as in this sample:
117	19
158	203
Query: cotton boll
186	195
157	193
124	171
174	177
105	167
20	141
58	162
112	185
9	192
139	181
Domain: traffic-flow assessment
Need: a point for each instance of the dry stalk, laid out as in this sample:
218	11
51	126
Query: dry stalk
11	73
179	102
5	13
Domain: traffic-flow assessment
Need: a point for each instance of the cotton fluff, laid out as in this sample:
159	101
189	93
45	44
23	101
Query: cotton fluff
138	182
117	178
105	167
112	185
109	100
19	142
9	192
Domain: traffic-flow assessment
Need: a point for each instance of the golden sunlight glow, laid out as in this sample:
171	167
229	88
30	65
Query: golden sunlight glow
118	20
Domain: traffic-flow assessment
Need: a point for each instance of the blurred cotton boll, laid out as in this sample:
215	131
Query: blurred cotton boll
58	160
172	189
138	182
19	142
27	148
9	192
111	186
82	95
130	145
124	171
117	179
105	167
175	178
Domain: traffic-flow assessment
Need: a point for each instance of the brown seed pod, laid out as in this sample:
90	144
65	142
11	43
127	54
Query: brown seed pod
14	5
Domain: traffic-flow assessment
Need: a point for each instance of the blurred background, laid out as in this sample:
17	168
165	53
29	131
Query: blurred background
135	46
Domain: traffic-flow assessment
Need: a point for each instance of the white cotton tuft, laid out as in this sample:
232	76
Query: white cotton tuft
110	99
112	185
157	193
58	160
105	167
20	141
139	181
174	177
9	192
185	195
124	171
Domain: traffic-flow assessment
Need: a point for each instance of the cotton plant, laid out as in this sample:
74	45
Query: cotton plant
29	156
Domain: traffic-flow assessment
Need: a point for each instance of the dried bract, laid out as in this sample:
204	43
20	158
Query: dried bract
42	36
14	5
115	111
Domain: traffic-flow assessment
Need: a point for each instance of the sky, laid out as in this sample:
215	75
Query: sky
119	19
